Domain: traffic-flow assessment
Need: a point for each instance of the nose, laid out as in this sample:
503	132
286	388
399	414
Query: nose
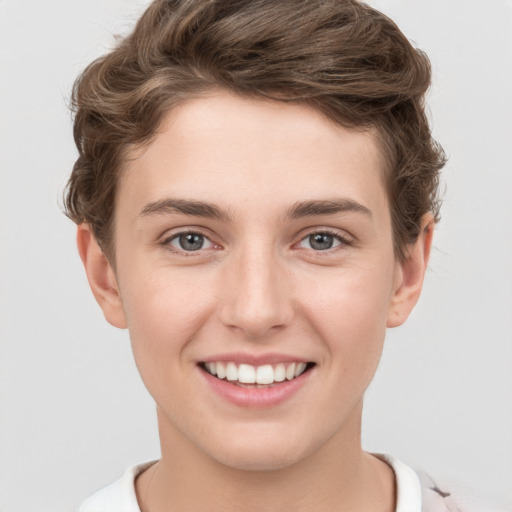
256	295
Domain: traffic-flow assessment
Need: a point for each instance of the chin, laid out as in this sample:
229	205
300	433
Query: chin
257	461
259	453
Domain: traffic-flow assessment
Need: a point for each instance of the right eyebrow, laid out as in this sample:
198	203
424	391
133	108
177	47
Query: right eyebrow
186	207
326	207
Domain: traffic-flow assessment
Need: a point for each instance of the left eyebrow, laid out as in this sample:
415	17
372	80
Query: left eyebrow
186	207
326	207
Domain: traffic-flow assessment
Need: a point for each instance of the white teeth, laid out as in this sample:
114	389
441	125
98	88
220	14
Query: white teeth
299	369
279	373
249	374
265	374
221	370
290	372
246	374
231	371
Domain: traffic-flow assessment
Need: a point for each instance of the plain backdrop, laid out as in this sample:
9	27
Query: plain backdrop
73	411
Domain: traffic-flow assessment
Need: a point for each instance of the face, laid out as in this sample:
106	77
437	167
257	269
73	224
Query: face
255	272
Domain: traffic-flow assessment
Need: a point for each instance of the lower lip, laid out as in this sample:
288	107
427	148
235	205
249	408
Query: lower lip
253	397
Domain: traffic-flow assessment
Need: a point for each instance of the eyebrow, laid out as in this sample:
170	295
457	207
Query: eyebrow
185	206
296	211
326	207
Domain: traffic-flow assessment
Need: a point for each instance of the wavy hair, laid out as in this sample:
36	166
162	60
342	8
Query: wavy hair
341	57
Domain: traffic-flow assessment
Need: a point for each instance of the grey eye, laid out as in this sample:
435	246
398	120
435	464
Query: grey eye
320	241
190	242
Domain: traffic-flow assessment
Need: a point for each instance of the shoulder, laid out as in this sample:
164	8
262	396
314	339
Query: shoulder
436	497
119	496
451	497
418	492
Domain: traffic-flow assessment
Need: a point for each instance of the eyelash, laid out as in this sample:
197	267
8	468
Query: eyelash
343	241
167	242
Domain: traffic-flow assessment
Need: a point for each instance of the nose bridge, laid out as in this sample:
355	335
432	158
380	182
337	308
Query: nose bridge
256	298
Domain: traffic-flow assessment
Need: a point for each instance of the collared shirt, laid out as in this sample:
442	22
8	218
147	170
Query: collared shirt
415	493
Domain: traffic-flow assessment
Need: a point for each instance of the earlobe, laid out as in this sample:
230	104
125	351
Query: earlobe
101	277
410	274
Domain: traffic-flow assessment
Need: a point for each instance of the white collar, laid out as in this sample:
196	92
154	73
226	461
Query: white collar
120	496
408	487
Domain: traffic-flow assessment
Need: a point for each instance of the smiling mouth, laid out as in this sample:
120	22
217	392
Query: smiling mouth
247	375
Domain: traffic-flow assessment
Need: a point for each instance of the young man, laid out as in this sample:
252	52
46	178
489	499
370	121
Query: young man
255	194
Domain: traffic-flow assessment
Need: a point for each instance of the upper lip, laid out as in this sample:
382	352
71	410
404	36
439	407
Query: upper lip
253	359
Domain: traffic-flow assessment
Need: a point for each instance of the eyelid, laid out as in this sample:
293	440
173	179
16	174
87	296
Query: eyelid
343	237
170	235
178	236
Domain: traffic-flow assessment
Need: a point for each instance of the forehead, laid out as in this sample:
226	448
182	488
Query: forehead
229	149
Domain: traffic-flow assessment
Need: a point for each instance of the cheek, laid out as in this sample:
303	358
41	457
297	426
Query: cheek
165	311
349	310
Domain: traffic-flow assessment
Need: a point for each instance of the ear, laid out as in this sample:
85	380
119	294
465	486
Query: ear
410	274
101	277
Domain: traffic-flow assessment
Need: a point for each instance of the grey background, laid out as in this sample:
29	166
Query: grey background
73	412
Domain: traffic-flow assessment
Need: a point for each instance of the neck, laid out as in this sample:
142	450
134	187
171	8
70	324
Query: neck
337	477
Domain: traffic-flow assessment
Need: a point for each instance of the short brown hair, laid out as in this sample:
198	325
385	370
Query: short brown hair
341	57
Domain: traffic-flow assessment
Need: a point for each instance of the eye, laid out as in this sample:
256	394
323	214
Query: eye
321	241
189	242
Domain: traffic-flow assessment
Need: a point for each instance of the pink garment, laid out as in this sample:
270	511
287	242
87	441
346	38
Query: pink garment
435	499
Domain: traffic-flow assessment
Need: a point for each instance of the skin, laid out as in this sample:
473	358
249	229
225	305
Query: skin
258	285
